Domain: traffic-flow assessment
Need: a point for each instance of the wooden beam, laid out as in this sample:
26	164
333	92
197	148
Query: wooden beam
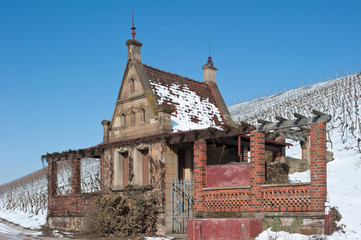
294	123
263	122
318	113
299	116
281	119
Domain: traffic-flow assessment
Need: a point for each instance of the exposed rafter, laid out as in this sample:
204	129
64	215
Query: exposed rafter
299	122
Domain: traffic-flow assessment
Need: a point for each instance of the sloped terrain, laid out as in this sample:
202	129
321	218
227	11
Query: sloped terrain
341	99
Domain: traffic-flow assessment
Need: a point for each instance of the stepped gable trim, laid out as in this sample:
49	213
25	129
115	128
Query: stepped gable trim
200	88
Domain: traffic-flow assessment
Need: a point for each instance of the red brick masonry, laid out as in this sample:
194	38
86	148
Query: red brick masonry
224	228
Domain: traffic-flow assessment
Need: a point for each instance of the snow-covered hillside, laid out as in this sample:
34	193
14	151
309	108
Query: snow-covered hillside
341	99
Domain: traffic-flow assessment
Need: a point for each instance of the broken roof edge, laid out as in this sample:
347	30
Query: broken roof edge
166	137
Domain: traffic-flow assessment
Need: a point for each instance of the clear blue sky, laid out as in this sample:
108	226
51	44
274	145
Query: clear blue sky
61	62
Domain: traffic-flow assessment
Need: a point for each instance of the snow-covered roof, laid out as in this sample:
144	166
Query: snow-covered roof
192	102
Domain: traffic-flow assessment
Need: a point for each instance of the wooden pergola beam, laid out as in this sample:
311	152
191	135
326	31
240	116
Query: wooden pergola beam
299	122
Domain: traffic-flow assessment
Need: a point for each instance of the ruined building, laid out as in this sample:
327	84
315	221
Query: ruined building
174	136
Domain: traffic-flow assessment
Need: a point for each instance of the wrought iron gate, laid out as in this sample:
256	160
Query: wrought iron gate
182	204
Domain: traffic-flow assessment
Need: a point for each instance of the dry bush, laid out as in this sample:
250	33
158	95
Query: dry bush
123	215
335	217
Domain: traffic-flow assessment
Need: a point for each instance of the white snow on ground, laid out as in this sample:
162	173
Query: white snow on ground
24	201
4	229
299	177
26	220
188	106
341	99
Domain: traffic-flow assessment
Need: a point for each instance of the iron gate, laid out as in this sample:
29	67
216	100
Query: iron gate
182	204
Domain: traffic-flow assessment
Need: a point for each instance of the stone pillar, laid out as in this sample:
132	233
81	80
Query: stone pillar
188	165
134	50
257	168
75	176
200	163
305	146
106	126
318	166
209	73
164	120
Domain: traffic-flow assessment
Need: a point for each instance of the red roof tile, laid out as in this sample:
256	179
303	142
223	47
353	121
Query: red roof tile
179	87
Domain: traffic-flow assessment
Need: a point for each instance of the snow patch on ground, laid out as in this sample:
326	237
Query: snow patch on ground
300	177
26	220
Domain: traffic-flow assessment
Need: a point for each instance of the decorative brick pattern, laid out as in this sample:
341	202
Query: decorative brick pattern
318	166
286	198
257	167
233	200
200	162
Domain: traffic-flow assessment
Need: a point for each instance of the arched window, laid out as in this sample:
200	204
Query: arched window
131	85
124	122
132	118
142	115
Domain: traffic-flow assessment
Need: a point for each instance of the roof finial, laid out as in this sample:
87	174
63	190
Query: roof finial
133	28
209	61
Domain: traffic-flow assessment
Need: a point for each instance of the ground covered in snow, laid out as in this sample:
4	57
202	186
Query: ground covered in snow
341	99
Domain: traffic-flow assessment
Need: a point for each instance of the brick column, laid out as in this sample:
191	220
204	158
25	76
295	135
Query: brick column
244	154
257	167
318	166
75	176
200	162
102	172
52	184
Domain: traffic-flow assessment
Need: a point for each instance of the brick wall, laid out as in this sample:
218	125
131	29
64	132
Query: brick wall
70	205
200	163
318	160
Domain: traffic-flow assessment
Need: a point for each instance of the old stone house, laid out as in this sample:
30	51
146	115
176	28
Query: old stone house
174	136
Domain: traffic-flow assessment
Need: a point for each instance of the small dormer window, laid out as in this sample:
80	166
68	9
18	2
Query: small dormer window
123	120
132	118
131	85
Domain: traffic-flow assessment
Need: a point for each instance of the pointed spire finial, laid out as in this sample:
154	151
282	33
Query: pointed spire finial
133	28
209	61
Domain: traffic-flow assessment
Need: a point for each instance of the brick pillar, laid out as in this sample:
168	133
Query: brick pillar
75	176
244	154
52	184
199	172
318	159
102	172
257	167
